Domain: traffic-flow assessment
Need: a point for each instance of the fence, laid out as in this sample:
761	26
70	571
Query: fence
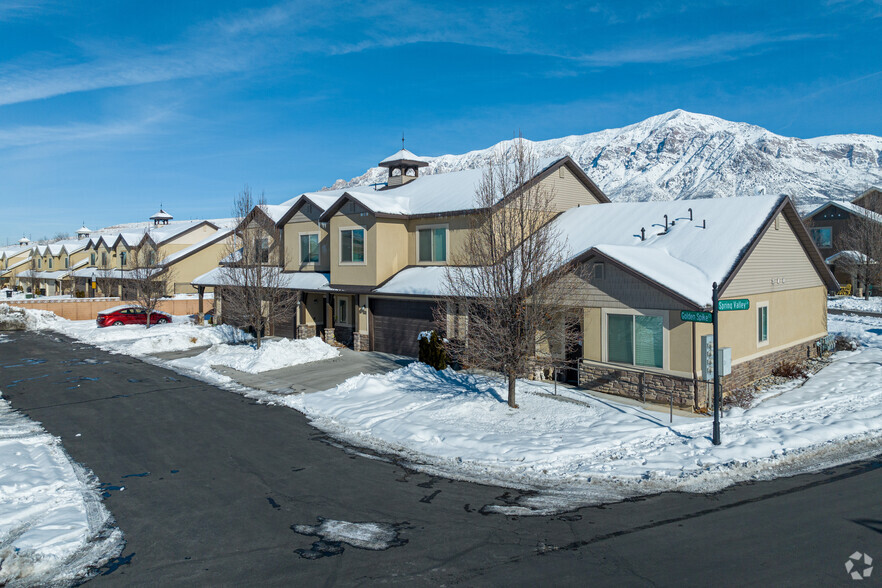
78	309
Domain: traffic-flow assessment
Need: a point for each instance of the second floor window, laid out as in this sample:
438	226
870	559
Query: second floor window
92	259
432	244
66	262
309	248
261	250
103	259
50	263
823	237
352	246
39	263
122	259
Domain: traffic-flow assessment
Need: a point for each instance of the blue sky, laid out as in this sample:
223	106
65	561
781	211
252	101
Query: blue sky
109	108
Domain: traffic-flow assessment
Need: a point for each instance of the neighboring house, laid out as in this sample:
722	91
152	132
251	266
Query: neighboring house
186	249
829	224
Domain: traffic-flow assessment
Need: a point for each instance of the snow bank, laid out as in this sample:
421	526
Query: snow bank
53	526
135	340
577	449
874	304
272	355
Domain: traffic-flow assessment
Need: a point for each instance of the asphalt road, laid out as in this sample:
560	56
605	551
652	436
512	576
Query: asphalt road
214	482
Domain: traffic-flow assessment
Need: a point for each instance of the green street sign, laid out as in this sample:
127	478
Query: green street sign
738	304
696	316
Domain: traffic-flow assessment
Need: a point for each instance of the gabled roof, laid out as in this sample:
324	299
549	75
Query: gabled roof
848	207
312	281
322	200
867	192
447	193
687	259
404	156
683	262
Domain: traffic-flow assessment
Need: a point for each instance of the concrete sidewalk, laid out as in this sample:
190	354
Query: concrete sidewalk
318	375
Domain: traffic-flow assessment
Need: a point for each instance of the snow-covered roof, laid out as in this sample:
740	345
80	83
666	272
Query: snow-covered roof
437	193
848	257
161	215
848	206
415	281
290	280
687	259
83	230
216	236
403	154
275	211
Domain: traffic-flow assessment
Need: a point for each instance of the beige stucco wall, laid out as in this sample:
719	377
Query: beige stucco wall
457	233
189	268
292	230
356	274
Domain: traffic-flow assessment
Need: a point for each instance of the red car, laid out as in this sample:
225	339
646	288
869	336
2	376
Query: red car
130	315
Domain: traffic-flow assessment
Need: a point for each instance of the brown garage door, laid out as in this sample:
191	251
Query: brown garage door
395	325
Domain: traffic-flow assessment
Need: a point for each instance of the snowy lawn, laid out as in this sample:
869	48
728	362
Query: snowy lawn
874	304
593	450
53	527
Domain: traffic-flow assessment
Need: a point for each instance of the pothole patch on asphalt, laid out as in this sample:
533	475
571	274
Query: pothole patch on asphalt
333	534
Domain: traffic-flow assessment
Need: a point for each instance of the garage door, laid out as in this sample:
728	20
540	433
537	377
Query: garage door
395	325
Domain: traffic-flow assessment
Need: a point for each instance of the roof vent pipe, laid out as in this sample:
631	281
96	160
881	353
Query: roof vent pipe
690	214
666	223
703	223
642	233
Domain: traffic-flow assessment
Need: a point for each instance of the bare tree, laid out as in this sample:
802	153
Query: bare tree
253	287
505	280
147	281
861	251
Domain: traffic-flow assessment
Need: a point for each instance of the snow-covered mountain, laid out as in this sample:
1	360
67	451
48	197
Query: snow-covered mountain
682	155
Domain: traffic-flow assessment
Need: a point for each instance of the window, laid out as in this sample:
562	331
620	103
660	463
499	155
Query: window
309	248
50	263
66	262
635	339
432	244
92	259
598	271
762	326
261	250
39	263
342	311
122	258
103	258
352	246
823	237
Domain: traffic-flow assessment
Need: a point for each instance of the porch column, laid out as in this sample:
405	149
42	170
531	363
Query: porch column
200	317
330	335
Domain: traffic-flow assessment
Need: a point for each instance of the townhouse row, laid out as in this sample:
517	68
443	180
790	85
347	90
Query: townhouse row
368	265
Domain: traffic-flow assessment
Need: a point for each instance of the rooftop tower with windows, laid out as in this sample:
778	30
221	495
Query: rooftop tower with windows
403	167
161	218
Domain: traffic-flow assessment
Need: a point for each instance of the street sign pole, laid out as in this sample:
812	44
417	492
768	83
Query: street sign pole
717	395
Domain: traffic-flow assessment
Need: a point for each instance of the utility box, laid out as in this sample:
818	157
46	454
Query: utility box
707	358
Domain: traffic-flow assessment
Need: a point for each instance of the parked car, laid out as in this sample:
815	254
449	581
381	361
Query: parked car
130	315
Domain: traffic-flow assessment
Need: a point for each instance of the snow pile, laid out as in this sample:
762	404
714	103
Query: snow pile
13	318
372	536
272	355
53	526
578	449
137	340
874	304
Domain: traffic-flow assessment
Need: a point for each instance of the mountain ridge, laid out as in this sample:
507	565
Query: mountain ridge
680	155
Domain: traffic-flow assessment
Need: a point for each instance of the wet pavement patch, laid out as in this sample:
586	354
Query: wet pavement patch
333	534
28	361
142	475
86	361
114	564
273	503
106	489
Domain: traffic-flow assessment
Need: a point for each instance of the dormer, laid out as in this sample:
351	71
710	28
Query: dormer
161	218
403	167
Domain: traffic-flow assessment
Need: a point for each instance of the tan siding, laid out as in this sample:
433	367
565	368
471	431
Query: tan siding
617	289
457	233
568	191
777	263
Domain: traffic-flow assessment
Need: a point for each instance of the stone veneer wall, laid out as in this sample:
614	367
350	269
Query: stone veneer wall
305	331
748	372
361	342
639	385
658	387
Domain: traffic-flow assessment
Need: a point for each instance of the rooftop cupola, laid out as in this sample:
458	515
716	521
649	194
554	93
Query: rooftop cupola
403	167
83	232
24	241
161	218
